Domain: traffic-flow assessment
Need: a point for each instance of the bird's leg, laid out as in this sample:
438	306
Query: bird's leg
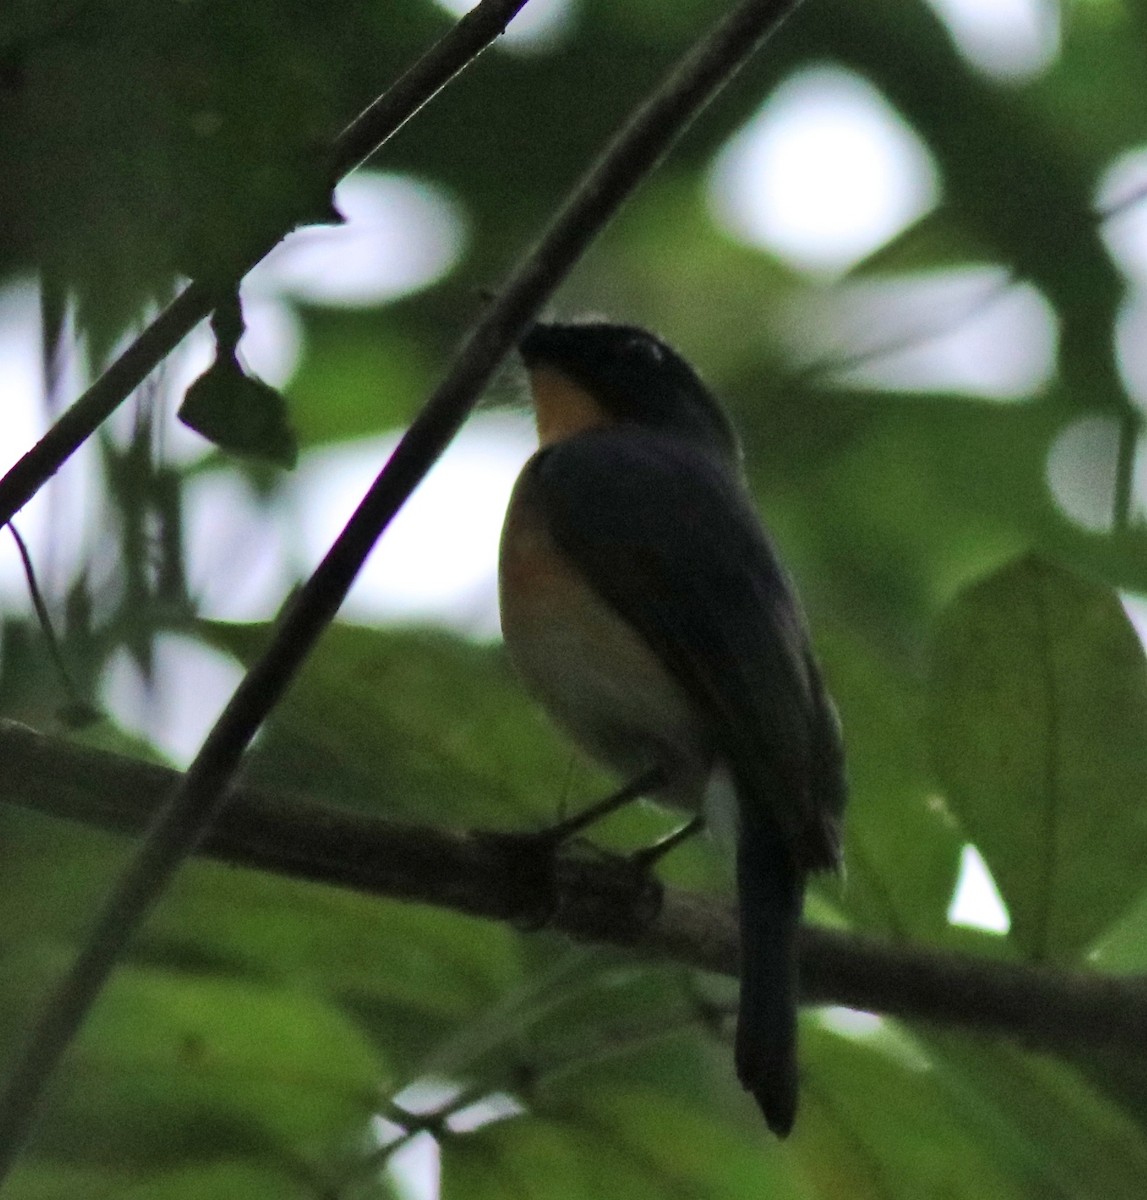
650	856
563	830
532	857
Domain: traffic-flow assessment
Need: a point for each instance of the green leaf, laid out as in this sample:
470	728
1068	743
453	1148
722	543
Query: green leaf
227	1180
625	1142
1123	947
567	1010
240	414
935	242
894	1113
175	1064
691	1146
223	1181
875	1123
531	1157
35	1179
902	849
409	974
411	722
1039	735
1058	1133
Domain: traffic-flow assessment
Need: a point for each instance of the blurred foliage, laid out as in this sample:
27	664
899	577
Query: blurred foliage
991	687
234	410
1041	707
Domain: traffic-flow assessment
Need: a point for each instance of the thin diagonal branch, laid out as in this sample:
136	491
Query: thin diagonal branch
420	83
1130	428
47	628
202	792
596	898
412	1124
927	328
465	41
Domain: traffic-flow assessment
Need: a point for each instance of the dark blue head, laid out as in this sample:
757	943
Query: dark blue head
635	378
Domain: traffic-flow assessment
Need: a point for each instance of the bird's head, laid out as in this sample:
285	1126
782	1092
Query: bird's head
594	374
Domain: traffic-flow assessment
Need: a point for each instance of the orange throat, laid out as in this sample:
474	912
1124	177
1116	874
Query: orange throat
562	407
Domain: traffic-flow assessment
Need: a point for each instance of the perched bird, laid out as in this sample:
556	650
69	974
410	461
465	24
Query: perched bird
644	607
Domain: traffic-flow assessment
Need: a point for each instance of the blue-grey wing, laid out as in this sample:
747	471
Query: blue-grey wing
670	540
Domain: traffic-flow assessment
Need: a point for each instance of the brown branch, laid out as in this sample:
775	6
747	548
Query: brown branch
202	792
421	82
596	898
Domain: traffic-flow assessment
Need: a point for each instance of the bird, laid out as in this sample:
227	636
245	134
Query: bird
645	609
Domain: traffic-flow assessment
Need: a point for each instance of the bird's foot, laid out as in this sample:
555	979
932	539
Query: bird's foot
533	857
563	831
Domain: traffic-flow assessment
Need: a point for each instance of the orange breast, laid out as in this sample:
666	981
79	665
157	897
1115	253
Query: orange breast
588	667
562	407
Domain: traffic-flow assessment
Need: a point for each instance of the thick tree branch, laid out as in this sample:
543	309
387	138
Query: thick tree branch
202	792
421	82
590	897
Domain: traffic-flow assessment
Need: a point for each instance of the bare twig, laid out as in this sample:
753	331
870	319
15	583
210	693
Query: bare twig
202	792
362	137
598	900
412	1124
1130	427
1117	208
45	618
421	83
927	328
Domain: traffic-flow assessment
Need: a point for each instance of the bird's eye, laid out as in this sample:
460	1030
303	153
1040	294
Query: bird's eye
647	348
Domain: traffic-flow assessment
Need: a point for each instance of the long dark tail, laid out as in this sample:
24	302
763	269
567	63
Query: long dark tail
770	889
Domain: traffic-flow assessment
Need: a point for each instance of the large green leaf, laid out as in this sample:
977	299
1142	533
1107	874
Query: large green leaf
33	1179
875	1124
894	1113
626	1141
179	1065
1039	733
224	1181
214	1181
932	243
1054	1128
535	1157
901	848
410	722
408	972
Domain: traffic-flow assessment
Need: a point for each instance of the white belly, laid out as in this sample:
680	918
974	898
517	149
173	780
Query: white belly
591	671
